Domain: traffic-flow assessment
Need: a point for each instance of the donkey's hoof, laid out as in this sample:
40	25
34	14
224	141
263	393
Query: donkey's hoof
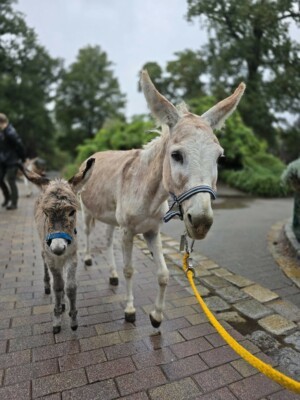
130	317
47	290
74	327
56	329
114	281
88	262
63	308
154	323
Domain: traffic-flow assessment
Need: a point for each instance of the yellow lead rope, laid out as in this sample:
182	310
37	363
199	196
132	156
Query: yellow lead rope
263	367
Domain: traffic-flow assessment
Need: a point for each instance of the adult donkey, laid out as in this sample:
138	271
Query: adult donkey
130	188
55	217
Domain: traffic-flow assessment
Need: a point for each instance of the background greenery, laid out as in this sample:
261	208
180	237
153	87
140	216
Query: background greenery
67	113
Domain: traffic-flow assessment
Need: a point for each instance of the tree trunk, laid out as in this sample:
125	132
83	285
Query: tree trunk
296	216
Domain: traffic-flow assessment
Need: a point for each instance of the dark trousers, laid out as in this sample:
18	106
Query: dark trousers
10	173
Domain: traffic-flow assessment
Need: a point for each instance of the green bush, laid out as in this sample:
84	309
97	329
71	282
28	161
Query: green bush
261	176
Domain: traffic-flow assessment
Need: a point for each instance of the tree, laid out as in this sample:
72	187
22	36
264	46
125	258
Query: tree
87	96
249	40
182	78
27	74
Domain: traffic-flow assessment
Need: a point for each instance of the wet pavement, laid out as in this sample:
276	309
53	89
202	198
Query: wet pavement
107	358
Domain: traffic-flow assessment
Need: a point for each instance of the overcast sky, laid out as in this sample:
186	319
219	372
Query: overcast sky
132	32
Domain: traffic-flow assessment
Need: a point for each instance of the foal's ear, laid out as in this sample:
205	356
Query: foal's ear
160	107
33	177
217	115
77	181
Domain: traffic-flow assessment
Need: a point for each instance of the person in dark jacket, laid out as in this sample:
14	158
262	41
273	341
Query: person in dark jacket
11	153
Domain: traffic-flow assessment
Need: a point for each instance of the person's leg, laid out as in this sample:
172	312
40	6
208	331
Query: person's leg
4	187
11	176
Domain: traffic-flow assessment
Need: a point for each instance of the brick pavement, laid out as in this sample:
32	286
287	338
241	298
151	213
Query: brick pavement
107	358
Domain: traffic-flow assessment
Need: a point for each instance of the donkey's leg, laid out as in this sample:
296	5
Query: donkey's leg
71	290
46	276
88	225
154	244
113	279
58	289
127	243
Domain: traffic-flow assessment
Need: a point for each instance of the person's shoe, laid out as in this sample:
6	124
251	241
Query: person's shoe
4	204
11	207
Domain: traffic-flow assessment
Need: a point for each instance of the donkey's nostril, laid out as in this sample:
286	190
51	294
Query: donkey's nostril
49	242
190	219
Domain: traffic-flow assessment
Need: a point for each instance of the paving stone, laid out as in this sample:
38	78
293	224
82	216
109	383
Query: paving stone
219	356
196	319
79	360
283	395
222	272
17	358
184	367
105	390
190	347
197	331
286	309
220	394
217	377
16	392
30	342
152	358
202	290
253	309
231	316
244	368
215	303
27	372
238	280
58	382
214	282
260	293
231	294
254	387
179	390
140	380
96	342
277	325
110	369
55	350
293	339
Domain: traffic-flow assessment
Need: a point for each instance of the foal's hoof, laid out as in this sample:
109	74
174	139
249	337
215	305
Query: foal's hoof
154	323
88	262
114	281
47	290
130	317
56	329
74	327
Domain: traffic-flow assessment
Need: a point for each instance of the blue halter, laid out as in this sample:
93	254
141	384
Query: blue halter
60	235
184	196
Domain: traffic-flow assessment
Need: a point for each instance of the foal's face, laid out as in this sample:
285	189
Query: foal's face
59	209
192	160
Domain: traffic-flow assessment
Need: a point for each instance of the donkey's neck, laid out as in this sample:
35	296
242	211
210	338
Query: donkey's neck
152	156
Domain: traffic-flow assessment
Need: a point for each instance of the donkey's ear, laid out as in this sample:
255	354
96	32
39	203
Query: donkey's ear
160	107
217	115
34	177
77	181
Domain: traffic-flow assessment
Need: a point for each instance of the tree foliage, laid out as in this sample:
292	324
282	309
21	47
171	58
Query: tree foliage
27	74
250	41
87	96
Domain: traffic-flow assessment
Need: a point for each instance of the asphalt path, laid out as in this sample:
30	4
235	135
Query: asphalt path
238	239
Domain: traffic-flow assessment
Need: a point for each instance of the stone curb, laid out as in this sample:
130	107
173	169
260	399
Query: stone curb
242	303
289	233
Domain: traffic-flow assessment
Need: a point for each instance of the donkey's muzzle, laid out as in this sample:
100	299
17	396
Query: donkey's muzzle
57	246
197	226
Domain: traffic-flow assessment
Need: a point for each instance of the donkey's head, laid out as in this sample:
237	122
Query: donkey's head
56	208
191	159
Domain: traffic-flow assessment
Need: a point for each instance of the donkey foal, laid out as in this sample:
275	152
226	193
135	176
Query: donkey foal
55	217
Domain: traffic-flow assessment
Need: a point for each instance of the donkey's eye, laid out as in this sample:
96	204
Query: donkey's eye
177	156
72	213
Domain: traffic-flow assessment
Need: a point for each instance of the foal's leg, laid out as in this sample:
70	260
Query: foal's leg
46	276
154	244
88	225
71	290
58	289
127	243
114	279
